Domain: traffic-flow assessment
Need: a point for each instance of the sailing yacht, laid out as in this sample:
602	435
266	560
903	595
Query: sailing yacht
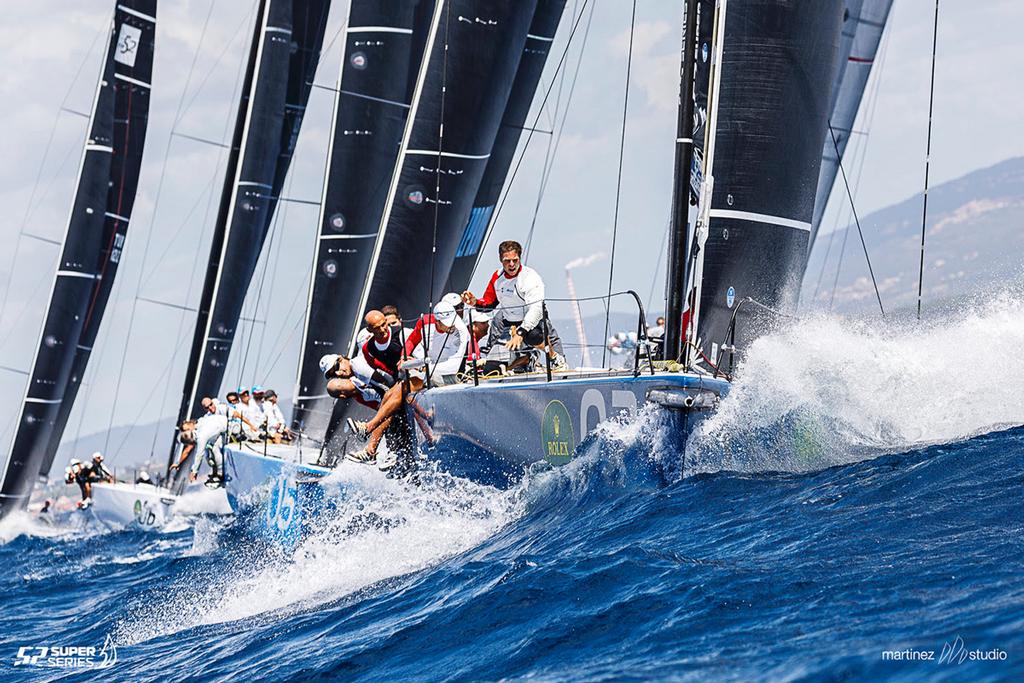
758	83
108	178
282	60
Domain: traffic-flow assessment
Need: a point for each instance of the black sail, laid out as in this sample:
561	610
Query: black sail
283	58
531	66
383	50
776	85
465	86
91	252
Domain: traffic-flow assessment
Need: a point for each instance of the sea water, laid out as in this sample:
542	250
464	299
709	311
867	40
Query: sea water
854	510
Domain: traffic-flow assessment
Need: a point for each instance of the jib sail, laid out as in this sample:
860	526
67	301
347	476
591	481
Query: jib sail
282	63
770	94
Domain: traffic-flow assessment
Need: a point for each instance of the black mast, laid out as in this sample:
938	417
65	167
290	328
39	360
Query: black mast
677	247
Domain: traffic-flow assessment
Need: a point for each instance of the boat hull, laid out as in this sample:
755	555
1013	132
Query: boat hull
275	493
493	432
138	505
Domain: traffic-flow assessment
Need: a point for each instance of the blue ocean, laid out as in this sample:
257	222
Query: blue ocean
853	511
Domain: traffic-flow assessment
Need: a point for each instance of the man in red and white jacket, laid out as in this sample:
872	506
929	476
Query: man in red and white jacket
516	295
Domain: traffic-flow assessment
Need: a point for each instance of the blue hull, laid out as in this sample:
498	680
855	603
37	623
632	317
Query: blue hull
493	432
273	493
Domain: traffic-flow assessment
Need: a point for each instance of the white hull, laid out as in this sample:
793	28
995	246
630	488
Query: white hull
122	504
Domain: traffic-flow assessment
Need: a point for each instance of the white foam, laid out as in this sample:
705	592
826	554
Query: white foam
859	389
383	529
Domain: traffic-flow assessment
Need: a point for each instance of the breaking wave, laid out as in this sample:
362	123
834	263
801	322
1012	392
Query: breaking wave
830	391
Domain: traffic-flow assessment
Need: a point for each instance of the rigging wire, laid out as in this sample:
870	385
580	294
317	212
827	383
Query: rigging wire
557	139
853	208
872	107
536	119
440	149
927	159
657	266
618	182
29	208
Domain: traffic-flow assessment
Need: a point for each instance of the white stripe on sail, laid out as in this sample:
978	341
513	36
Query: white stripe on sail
75	273
452	155
760	218
379	29
129	79
136	13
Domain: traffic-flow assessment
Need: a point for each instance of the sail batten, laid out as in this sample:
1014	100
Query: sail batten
91	248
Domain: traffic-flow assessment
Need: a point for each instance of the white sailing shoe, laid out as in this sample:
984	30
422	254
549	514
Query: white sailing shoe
358	428
362	456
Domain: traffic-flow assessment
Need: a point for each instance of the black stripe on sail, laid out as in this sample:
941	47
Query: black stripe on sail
91	251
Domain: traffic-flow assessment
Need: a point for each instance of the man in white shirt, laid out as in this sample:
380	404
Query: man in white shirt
251	412
205	436
516	295
275	418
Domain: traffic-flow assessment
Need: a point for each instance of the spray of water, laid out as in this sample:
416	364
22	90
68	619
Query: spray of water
382	529
829	391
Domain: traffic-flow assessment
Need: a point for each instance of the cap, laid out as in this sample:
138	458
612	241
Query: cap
452	299
97	456
444	313
257	389
327	361
243	390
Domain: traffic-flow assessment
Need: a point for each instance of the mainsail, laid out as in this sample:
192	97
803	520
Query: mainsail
282	62
383	49
93	243
864	22
531	66
761	157
470	62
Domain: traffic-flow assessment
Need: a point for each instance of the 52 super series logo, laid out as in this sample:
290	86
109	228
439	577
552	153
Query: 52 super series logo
68	656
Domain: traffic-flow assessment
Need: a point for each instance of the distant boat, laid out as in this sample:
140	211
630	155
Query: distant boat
282	60
108	178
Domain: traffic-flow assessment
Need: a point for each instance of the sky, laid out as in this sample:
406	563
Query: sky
50	53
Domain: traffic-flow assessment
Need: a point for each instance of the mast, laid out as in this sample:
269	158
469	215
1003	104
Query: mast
91	248
677	242
282	62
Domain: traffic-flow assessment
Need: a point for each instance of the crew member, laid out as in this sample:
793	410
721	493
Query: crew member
516	295
205	435
448	341
276	426
343	382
